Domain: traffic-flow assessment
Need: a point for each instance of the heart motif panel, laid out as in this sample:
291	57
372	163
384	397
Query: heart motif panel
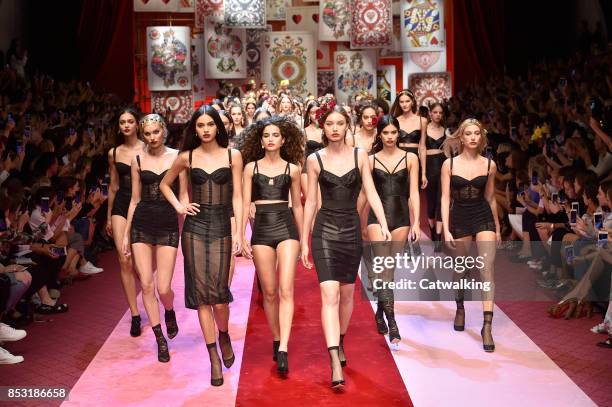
371	24
422	25
225	50
430	87
307	19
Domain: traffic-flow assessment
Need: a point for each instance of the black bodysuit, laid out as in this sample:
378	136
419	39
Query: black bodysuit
393	190
434	168
121	204
414	137
470	212
336	238
273	221
155	221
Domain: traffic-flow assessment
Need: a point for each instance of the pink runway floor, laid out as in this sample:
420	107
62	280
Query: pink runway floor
125	372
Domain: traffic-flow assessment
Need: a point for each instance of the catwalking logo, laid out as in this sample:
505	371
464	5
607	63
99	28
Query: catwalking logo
413	263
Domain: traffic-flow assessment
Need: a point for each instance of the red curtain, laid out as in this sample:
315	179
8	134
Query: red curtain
479	41
105	39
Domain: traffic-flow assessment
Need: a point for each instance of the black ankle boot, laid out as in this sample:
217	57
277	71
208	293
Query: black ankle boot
337	380
381	325
282	364
459	323
162	346
275	346
216	373
171	325
135	326
487	337
226	349
341	354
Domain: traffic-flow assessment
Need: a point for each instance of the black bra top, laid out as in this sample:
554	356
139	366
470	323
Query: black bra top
391	183
339	191
468	191
313	146
270	188
434	144
410	138
125	173
150	181
213	188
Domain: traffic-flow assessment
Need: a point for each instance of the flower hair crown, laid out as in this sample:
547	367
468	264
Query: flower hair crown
326	105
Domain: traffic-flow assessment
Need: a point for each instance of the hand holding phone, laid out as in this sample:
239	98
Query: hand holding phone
573	216
569	254
598	220
555	198
58	251
44	204
602	238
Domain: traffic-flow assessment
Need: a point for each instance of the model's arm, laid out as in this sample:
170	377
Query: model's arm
178	167
413	171
247	186
310	206
423	152
371	194
133	202
490	197
445	199
112	191
296	201
237	168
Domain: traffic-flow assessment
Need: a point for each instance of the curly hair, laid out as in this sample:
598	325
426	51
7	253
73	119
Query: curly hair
292	149
361	107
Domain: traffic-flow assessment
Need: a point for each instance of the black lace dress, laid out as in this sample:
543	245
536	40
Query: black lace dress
155	221
207	237
336	237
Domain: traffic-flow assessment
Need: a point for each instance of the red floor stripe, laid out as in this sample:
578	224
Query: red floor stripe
371	374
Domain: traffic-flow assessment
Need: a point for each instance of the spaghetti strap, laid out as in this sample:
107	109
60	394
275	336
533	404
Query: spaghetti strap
287	169
229	155
138	161
356	160
190	156
319	159
488	165
406	158
451	173
115	155
255	168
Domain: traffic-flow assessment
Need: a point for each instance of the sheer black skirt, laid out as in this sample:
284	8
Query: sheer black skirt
207	249
155	223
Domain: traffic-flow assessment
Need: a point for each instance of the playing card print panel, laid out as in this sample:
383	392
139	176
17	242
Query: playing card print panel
430	87
335	20
276	9
245	13
168	58
225	51
178	106
307	19
208	10
355	72
371	24
422	25
253	51
290	55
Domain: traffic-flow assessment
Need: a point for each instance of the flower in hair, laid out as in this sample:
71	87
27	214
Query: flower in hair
374	121
326	106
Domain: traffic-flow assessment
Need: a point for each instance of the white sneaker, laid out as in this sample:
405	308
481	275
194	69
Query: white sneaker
7	358
89	268
9	334
601	328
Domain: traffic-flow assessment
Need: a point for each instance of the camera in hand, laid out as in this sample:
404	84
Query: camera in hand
573	216
602	238
598	220
569	254
44	204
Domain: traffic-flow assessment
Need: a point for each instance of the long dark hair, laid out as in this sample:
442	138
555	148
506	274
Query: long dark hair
336	109
310	105
383	122
191	139
361	108
119	138
396	110
292	149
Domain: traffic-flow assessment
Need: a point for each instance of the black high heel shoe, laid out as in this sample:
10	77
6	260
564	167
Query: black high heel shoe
381	325
487	338
459	324
282	363
215	365
275	345
334	359
171	325
341	354
226	347
394	336
135	326
163	355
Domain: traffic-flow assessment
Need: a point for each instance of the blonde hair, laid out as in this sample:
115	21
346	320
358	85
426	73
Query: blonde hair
153	118
453	143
